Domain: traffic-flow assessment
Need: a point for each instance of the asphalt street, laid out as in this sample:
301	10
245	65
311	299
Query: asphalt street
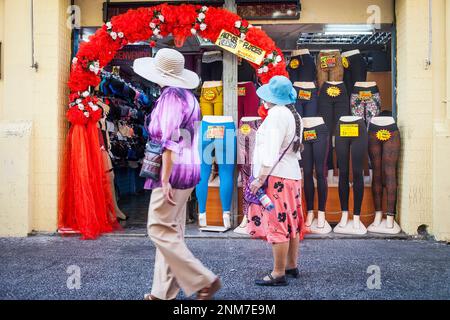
121	268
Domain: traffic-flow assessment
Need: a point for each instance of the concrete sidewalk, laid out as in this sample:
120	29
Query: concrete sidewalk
121	268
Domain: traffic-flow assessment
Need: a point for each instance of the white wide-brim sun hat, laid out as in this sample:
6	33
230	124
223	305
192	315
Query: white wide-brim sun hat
167	70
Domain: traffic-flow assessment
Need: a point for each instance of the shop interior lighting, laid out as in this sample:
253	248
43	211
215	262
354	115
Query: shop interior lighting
348	29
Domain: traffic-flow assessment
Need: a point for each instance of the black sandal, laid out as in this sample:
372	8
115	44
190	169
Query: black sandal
273	282
294	273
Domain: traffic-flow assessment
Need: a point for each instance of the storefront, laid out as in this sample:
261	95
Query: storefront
300	25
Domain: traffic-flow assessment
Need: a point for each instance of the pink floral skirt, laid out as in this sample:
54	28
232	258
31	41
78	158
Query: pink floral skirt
286	221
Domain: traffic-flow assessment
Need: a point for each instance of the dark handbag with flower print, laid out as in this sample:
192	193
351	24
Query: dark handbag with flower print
151	166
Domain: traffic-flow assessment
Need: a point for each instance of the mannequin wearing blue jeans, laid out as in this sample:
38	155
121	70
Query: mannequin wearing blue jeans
218	135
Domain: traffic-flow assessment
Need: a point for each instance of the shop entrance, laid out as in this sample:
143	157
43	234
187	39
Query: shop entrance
375	47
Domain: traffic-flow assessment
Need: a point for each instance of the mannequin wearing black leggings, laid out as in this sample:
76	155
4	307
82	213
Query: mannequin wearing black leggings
314	157
351	141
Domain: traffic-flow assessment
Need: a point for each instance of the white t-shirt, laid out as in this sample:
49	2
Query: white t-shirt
272	138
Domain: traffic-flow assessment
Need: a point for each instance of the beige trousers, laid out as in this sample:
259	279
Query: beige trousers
175	265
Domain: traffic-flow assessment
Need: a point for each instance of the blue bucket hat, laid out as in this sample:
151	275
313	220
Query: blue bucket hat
279	91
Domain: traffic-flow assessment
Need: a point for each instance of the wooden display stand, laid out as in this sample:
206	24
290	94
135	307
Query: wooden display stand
214	207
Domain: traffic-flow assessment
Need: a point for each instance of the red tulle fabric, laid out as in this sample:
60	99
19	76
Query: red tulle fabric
86	203
78	206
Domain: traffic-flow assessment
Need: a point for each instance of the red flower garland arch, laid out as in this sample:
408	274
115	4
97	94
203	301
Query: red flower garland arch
86	200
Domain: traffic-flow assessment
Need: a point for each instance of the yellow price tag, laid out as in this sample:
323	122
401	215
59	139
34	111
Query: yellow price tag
246	129
294	64
365	95
349	130
304	95
345	62
383	135
310	135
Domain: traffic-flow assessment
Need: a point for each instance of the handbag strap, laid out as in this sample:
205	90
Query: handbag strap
281	157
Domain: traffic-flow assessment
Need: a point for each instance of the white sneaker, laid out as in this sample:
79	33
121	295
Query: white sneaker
227	220
202	220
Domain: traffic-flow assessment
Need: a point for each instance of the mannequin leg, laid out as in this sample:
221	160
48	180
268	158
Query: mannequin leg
226	153
206	147
391	154
310	108
375	153
325	110
320	154
390	222
343	157
119	214
337	72
322	74
321	219
359	152
307	160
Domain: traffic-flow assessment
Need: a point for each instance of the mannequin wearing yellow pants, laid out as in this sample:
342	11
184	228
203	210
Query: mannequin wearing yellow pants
211	99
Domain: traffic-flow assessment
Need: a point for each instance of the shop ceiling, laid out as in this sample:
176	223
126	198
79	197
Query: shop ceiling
319	36
312	36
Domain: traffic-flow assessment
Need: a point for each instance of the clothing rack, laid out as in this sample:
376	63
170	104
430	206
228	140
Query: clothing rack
109	75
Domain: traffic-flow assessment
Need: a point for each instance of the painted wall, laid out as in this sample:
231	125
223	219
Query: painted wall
423	117
2	19
313	11
39	98
441	119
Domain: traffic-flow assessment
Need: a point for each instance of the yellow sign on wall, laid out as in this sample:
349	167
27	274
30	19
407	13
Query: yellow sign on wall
241	48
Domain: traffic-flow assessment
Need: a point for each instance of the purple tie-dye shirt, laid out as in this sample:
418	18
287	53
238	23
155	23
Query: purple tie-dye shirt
174	123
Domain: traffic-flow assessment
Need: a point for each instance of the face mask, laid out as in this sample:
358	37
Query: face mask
266	105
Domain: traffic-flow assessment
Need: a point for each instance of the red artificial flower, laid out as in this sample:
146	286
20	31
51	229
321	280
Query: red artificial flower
152	44
76	116
178	20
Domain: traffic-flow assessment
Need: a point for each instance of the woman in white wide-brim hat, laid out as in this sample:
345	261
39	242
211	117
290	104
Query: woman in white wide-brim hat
173	126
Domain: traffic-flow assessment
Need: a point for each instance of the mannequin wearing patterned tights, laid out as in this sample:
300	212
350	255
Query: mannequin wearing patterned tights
384	151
